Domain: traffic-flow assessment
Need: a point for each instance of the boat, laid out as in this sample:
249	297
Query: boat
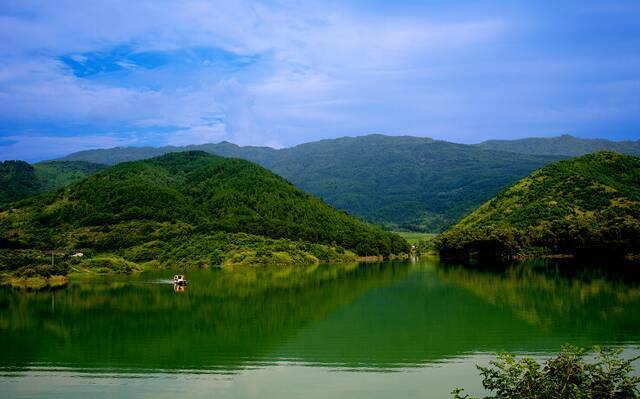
179	279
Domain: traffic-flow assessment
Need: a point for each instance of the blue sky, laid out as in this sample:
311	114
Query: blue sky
87	74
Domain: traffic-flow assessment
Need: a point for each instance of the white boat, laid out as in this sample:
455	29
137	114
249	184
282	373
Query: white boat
179	279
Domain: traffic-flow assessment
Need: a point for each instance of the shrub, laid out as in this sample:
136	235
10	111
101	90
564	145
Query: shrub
568	375
44	270
112	264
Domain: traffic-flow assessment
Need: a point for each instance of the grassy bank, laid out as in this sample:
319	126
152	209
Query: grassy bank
34	283
422	243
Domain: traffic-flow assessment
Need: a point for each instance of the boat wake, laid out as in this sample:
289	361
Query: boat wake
162	281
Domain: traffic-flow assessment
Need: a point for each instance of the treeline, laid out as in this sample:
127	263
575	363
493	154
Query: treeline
578	237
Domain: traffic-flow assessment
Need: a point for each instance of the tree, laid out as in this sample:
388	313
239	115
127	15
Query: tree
567	375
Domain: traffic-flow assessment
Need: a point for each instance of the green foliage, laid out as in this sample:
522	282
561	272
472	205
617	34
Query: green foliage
230	249
568	375
17	259
110	264
408	183
57	174
420	242
584	206
215	259
182	207
44	270
18	179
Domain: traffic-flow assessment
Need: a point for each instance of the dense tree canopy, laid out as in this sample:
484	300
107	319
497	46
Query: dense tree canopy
179	196
411	183
586	205
18	179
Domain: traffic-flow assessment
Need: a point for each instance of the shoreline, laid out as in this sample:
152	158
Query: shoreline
36	283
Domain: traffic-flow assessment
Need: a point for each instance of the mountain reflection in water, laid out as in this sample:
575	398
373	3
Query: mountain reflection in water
392	316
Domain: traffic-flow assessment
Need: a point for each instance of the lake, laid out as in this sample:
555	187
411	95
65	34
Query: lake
410	329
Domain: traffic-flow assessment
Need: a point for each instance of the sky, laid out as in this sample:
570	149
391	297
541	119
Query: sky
76	75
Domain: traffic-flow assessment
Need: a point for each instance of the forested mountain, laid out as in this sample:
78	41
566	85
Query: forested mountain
585	205
185	206
18	179
563	145
116	155
404	182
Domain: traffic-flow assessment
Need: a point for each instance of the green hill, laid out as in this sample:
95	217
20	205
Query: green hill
403	182
188	208
564	145
18	179
585	205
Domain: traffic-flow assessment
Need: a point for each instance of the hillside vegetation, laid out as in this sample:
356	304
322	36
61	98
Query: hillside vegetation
586	205
564	145
18	179
188	208
408	183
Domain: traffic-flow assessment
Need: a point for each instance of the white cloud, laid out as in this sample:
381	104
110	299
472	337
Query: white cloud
310	58
320	69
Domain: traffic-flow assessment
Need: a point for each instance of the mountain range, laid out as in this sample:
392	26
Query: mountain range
401	182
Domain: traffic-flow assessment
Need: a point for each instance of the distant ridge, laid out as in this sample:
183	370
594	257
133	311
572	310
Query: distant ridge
562	146
565	145
405	182
116	155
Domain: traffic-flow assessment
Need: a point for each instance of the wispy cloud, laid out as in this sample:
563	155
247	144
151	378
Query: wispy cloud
286	72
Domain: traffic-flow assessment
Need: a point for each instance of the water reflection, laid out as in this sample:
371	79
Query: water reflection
597	302
227	319
385	317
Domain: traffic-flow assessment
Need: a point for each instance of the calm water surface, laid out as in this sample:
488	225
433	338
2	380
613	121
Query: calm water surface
390	330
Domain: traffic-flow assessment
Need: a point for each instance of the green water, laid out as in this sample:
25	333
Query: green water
390	330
